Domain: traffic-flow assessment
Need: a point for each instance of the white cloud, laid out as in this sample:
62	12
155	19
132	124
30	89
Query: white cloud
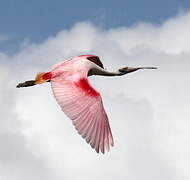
148	110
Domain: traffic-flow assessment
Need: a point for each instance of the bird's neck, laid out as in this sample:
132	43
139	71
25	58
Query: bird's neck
104	72
119	72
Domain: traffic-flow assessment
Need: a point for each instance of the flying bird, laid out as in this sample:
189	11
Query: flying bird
79	100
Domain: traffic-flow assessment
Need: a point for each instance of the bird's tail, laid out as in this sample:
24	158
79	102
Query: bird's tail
39	79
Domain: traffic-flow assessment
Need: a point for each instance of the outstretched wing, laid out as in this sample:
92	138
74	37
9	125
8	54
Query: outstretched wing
83	105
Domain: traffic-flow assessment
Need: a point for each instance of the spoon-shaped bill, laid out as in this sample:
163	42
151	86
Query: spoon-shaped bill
131	69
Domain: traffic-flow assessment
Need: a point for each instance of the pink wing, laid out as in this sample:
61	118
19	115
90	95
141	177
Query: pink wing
83	105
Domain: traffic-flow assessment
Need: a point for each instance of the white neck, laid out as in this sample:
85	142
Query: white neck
122	71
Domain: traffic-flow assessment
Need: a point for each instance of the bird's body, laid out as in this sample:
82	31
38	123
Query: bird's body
79	100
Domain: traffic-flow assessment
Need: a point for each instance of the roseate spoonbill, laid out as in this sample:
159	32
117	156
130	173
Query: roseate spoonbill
79	100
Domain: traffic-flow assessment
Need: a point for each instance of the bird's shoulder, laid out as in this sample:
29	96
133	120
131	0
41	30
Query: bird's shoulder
61	63
82	61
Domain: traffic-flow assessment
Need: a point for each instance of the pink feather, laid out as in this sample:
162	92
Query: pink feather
82	103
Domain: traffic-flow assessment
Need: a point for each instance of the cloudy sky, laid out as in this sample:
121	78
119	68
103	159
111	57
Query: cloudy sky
148	110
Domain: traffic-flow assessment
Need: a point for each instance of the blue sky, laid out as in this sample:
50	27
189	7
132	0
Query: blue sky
38	19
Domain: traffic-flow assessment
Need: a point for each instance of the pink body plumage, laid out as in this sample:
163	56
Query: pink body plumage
80	101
